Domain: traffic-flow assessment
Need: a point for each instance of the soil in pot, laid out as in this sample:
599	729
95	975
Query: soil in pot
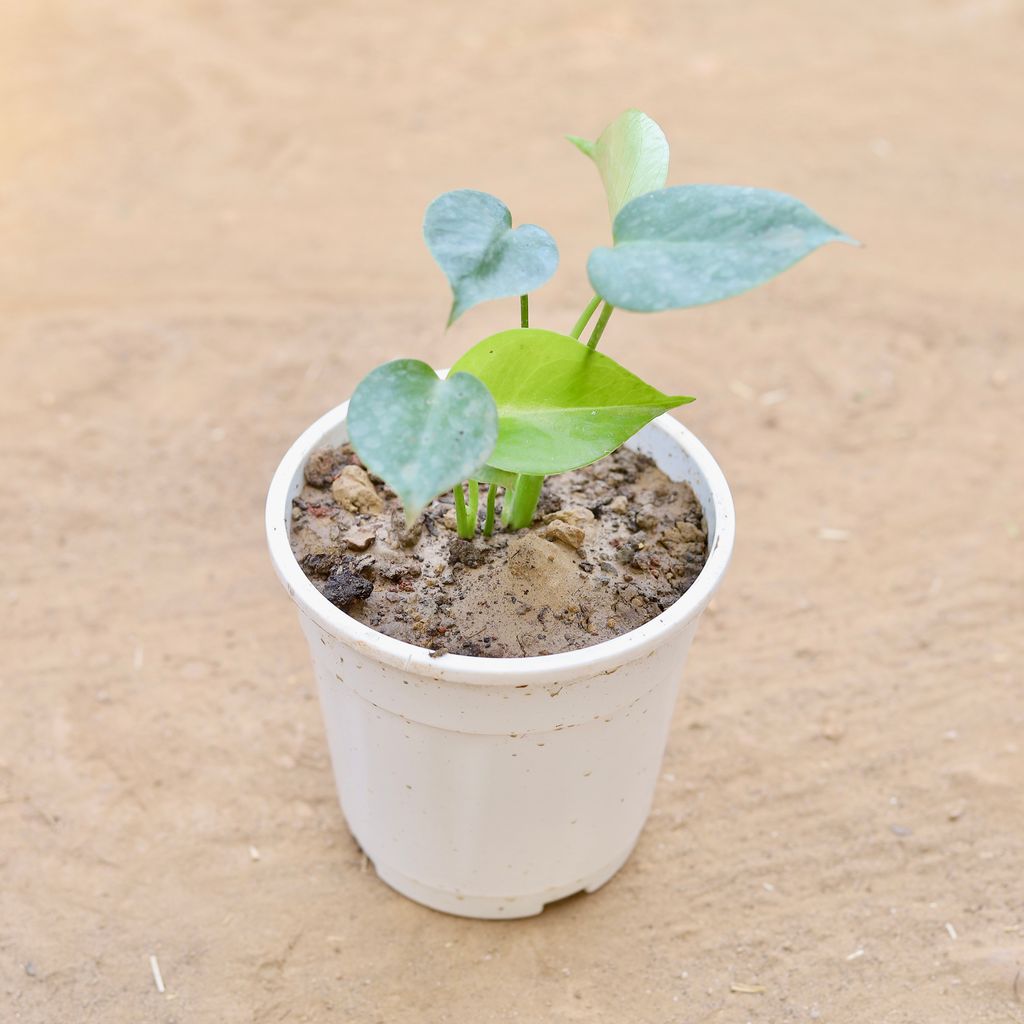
611	546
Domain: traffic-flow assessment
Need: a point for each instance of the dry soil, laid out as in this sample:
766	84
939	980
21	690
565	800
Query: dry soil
210	218
611	546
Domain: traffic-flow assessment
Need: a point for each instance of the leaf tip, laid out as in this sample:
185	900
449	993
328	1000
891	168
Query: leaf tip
585	146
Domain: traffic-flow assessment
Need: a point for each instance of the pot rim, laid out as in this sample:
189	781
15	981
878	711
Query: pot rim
604	657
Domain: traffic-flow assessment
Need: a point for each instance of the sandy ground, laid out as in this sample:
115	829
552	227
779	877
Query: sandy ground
210	220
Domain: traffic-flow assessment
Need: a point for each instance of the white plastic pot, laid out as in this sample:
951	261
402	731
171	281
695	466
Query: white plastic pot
488	787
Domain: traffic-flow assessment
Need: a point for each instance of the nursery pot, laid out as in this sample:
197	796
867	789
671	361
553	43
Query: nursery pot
488	787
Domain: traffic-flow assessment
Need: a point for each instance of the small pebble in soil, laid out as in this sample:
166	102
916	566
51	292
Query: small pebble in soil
353	490
344	587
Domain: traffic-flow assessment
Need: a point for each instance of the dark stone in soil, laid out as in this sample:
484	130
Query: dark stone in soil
344	586
466	553
325	464
318	565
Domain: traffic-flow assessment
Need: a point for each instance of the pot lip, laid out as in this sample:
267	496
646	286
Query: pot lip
601	658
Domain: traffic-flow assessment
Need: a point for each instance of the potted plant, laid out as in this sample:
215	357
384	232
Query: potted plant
490	785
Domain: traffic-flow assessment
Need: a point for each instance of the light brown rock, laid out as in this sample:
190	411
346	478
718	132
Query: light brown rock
359	538
564	533
575	516
353	490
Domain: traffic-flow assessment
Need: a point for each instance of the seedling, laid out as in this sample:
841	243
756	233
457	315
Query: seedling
526	403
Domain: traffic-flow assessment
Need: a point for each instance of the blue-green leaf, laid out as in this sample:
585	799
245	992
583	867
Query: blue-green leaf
692	244
470	235
631	156
560	404
421	434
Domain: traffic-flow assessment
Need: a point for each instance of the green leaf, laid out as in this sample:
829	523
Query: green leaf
470	236
491	475
631	155
560	404
421	434
693	244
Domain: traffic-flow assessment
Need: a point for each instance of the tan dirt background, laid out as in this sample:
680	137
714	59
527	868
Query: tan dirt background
210	218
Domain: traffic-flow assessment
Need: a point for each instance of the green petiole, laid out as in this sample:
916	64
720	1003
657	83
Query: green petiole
465	527
585	317
524	310
599	327
524	501
492	493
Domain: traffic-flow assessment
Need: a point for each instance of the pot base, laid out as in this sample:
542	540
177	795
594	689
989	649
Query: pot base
493	907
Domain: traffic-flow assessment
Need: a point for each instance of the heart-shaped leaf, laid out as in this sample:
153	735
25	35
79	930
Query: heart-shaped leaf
631	155
560	404
470	236
421	434
692	244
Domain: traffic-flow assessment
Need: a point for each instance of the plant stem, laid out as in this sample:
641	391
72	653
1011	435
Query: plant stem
474	503
585	316
602	320
524	310
464	527
524	500
492	493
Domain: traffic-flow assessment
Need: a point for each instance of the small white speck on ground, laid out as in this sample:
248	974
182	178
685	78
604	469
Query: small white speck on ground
254	854
856	954
831	533
955	811
158	978
741	390
774	397
950	930
750	990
